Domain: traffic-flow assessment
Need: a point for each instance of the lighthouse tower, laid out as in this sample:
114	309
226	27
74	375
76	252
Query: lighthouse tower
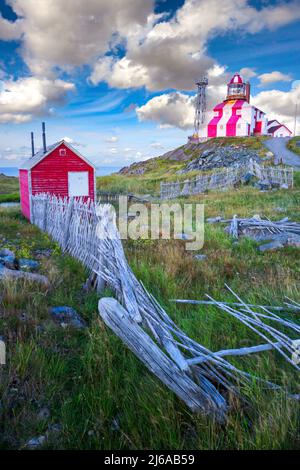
235	116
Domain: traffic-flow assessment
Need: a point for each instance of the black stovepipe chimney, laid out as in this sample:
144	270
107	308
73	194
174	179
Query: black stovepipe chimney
32	144
44	137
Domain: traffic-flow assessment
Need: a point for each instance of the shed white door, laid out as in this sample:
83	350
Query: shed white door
78	183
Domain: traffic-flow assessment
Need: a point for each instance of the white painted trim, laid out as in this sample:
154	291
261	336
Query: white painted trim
29	167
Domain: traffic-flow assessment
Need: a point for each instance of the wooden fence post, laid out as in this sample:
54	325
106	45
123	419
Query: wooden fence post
69	214
45	215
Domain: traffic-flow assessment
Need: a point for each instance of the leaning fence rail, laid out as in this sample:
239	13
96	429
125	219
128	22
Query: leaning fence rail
200	377
226	178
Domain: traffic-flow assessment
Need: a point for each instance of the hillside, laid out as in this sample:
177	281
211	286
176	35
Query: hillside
145	177
179	160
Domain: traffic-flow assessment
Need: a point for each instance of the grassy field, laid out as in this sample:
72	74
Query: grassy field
95	389
9	189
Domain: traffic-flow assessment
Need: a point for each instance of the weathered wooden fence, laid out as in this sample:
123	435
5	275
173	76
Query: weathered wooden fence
226	178
200	377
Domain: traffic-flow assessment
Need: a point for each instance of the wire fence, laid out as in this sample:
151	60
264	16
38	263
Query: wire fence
227	178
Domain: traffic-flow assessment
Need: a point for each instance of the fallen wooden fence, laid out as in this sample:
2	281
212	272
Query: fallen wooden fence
198	376
226	178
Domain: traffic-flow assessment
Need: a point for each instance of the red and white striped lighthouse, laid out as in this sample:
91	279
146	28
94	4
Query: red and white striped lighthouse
235	116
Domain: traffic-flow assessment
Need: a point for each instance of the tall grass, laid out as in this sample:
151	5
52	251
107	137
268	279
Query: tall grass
96	389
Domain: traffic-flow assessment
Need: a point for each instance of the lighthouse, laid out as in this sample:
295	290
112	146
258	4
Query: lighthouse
235	116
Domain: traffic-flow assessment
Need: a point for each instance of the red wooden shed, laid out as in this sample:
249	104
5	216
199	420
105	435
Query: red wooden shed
58	169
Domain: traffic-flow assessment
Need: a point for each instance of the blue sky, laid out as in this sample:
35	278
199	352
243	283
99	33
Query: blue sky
116	78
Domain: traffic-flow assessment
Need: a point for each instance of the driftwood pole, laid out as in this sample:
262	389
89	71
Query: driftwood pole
117	318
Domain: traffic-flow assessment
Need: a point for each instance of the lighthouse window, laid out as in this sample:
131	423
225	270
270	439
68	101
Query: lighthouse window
62	152
221	126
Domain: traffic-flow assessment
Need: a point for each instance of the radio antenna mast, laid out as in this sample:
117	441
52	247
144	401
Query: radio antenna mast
200	108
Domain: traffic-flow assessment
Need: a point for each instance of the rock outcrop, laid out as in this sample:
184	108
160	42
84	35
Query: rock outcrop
221	157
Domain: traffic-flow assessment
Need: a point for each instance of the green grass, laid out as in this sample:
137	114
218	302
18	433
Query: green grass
292	145
88	379
14	197
8	184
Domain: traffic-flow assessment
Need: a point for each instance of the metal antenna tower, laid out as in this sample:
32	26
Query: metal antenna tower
200	104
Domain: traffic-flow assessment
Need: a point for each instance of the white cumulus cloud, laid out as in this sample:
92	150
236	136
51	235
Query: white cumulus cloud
170	109
10	30
172	54
73	33
279	104
25	98
273	77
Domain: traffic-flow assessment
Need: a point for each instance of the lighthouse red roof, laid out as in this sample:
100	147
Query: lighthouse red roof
236	79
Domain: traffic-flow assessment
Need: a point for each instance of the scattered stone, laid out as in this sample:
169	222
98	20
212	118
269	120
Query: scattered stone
9	262
45	253
274	245
67	316
28	264
6	273
44	414
200	257
23	317
55	428
263	185
279	209
6	252
35	442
